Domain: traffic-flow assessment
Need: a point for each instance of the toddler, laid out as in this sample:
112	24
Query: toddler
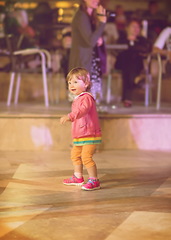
86	132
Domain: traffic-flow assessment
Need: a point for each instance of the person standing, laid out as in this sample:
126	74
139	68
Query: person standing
86	132
88	49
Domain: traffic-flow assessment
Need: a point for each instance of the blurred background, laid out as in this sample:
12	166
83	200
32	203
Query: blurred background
46	24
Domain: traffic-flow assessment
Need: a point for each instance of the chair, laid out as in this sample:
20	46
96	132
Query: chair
149	80
16	61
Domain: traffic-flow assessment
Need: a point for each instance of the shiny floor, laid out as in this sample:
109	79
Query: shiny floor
63	107
134	201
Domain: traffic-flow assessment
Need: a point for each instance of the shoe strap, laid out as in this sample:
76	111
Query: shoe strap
91	181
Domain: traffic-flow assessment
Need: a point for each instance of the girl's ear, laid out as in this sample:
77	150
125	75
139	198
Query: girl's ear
86	85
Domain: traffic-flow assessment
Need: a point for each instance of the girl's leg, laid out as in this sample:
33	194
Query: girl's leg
77	161
77	178
87	159
93	181
78	171
92	172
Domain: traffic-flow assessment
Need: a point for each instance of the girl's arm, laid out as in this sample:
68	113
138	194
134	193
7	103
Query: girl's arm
64	119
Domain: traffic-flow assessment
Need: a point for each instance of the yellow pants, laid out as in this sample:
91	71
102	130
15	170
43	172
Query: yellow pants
83	155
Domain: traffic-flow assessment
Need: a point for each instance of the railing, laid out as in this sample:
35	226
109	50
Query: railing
149	79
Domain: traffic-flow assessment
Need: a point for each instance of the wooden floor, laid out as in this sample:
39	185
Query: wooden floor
134	201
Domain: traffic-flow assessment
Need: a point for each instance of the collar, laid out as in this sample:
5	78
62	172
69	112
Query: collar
83	94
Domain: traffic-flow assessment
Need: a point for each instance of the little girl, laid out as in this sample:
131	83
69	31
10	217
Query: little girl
86	132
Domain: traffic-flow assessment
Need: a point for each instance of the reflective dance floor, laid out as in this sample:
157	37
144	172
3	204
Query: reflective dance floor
134	201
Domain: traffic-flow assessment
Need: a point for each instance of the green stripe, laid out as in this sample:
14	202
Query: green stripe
87	142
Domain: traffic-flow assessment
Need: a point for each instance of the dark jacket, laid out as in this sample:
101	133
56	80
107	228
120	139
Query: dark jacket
83	40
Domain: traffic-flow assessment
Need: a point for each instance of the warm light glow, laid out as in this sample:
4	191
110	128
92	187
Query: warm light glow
60	19
2	3
25	5
76	5
64	4
61	12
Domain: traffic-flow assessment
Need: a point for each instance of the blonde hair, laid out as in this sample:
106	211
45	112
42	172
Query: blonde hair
81	74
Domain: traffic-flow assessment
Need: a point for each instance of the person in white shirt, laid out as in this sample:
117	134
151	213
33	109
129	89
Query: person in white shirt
162	44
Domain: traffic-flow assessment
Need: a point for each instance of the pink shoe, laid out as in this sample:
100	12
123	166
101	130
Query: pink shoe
92	184
74	181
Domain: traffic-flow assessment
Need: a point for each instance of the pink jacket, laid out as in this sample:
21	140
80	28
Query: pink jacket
84	117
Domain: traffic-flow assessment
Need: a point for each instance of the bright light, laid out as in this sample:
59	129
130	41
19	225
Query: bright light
76	5
25	5
63	4
60	11
2	3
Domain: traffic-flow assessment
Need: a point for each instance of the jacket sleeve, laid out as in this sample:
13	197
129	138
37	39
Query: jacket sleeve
81	108
85	29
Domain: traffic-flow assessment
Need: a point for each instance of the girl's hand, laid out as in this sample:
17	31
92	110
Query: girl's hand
101	14
99	41
64	119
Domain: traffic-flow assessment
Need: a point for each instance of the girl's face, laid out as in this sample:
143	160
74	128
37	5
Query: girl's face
93	4
76	86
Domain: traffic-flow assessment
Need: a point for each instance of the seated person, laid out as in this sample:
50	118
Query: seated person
162	45
110	33
66	45
20	34
131	61
120	19
164	39
24	29
43	21
157	20
16	23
